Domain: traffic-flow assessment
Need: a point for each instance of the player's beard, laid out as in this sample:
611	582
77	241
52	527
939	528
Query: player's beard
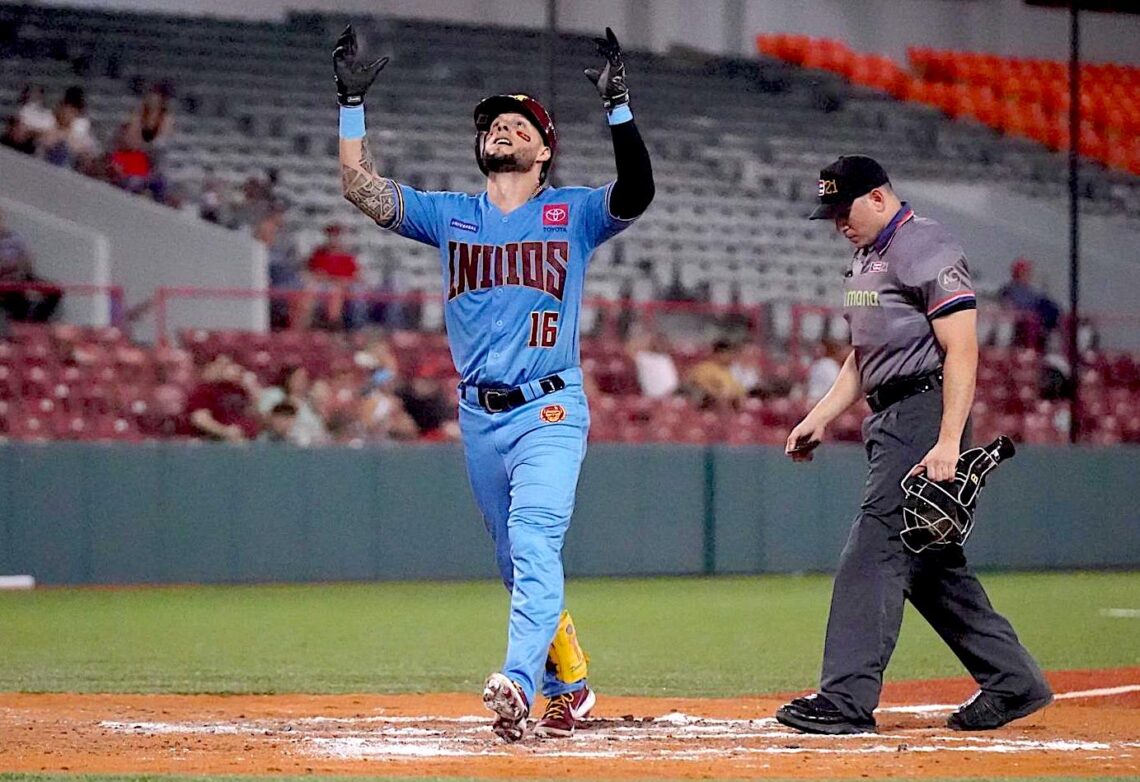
507	163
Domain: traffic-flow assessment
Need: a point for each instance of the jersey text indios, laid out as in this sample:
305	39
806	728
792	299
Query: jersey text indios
512	282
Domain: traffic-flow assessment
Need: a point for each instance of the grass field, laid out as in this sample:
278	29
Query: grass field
688	637
698	637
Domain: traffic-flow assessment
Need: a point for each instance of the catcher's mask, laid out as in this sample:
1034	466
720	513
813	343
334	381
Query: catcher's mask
491	107
942	514
932	517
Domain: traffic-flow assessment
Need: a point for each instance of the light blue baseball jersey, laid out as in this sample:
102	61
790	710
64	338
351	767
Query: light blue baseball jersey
513	282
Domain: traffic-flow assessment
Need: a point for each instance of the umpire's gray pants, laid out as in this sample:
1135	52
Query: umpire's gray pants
876	573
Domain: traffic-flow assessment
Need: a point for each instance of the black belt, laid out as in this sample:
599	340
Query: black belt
500	400
897	390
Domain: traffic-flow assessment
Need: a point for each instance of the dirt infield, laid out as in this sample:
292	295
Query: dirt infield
1093	728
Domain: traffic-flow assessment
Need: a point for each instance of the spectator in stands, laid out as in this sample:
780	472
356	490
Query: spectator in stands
136	160
221	406
332	271
257	201
292	386
33	112
24	129
657	375
823	371
34	305
71	143
151	123
212	198
711	382
1055	370
746	367
131	168
285	274
379	359
433	411
280	424
381	416
18	136
1038	315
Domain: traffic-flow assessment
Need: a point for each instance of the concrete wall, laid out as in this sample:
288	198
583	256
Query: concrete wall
730	26
75	513
148	245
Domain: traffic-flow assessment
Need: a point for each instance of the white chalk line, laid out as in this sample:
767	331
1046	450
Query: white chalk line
468	736
938	708
1103	692
1120	613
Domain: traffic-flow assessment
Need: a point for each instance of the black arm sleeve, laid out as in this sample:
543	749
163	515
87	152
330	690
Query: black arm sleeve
634	188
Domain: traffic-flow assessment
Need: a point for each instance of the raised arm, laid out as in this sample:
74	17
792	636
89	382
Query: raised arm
376	196
634	189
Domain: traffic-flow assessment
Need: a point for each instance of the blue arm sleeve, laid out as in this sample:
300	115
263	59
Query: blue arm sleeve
596	221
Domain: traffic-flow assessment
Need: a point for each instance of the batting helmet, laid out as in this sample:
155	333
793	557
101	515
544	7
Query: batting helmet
491	107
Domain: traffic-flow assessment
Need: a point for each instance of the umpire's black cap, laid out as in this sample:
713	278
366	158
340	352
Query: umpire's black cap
848	178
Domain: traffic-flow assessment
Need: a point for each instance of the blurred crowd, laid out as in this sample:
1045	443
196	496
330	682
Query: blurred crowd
231	403
62	134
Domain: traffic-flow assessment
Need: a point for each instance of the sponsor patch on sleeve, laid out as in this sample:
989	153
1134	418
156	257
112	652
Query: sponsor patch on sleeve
949	279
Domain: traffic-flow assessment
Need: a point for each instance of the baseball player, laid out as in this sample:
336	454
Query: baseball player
513	263
910	304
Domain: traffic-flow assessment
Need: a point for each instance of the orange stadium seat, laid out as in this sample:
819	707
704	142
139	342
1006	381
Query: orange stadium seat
1026	98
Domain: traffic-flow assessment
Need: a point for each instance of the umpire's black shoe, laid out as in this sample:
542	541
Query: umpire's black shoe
816	714
987	712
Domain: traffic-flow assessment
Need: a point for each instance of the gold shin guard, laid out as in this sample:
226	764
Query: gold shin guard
566	657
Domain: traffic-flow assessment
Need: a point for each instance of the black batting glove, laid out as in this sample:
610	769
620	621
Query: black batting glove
353	80
610	80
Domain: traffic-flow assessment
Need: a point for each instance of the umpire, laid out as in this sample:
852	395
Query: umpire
912	313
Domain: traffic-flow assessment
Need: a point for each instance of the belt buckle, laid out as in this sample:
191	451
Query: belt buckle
492	398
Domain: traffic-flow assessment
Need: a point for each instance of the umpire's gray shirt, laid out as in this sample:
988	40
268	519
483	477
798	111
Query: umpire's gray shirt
913	273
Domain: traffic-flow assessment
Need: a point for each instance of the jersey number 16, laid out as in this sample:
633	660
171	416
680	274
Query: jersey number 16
543	329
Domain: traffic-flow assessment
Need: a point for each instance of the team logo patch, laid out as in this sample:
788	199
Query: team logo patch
464	226
556	215
877	266
552	414
950	279
828	187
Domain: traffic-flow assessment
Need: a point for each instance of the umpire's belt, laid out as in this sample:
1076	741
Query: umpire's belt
500	399
899	389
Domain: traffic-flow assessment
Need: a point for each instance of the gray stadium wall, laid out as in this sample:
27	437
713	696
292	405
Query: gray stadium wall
148	245
65	251
73	513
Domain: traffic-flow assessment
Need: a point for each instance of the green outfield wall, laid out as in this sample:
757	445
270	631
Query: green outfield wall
73	513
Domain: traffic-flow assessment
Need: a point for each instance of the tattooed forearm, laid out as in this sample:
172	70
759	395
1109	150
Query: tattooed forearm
377	197
374	196
366	163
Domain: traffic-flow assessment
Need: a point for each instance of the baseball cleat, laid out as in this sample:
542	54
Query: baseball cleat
816	714
505	698
987	712
564	712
